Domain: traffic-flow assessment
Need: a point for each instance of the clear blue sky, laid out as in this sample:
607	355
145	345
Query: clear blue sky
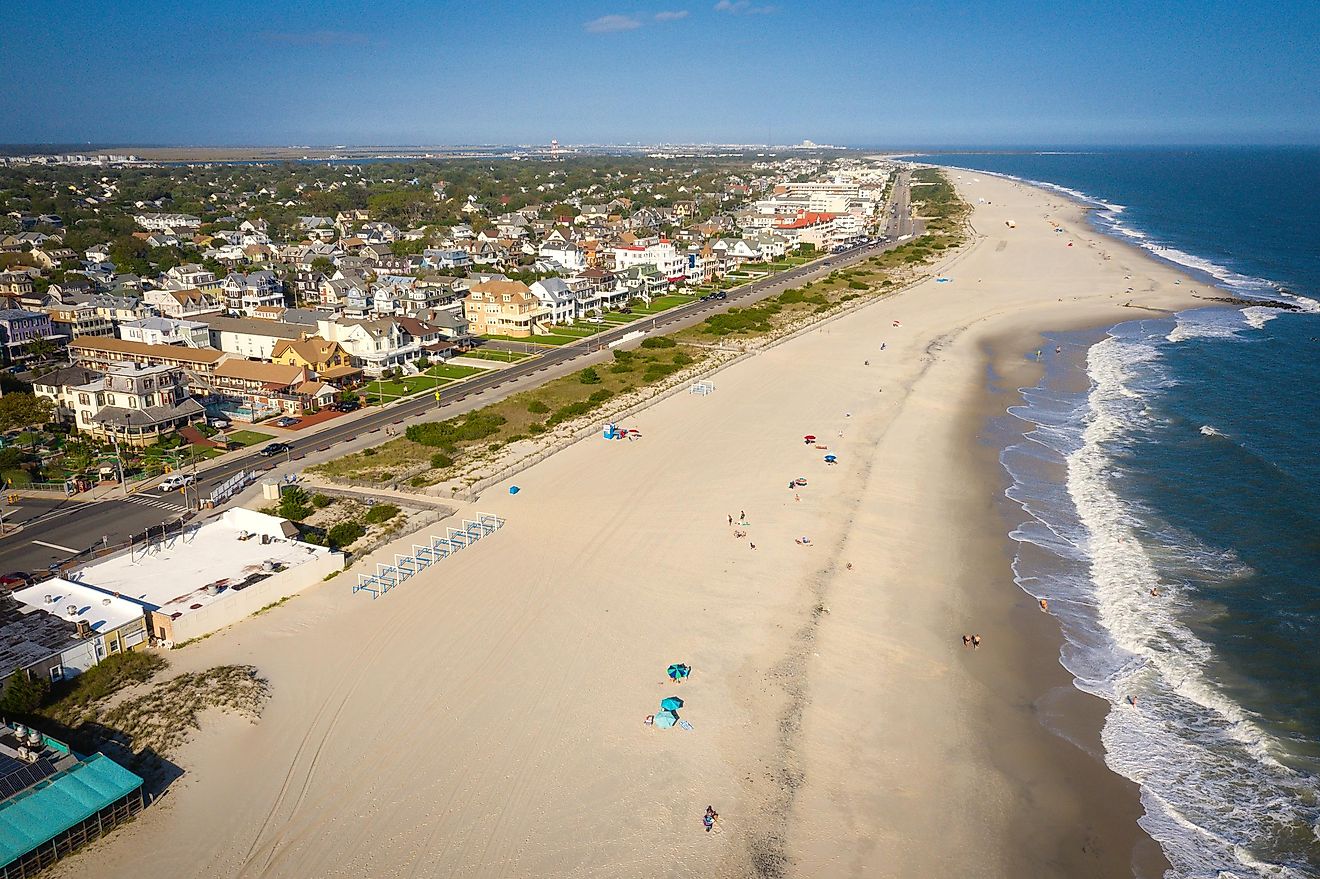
498	71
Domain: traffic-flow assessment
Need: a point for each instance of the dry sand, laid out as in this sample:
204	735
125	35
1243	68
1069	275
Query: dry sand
485	718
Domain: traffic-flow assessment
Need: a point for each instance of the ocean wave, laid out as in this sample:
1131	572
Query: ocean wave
1207	430
1212	783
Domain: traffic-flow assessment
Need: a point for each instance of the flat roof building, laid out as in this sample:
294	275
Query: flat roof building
53	802
205	577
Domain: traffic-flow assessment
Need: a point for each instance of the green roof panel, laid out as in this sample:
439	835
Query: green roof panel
53	806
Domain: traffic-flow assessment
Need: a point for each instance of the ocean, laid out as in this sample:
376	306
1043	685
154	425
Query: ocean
1172	502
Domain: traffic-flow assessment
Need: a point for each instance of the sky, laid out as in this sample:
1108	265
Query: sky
898	74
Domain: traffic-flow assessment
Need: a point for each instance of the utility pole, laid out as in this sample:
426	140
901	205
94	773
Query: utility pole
119	462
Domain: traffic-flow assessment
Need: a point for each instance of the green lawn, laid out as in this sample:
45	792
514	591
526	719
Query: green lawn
501	356
248	437
404	387
664	303
447	370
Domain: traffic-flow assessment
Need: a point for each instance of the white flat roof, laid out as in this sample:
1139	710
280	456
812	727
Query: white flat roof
172	576
102	611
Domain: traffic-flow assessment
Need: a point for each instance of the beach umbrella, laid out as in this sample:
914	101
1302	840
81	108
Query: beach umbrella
808	439
830	459
513	489
673	703
678	671
666	719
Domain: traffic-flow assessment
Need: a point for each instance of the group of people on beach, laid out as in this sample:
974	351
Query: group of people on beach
972	641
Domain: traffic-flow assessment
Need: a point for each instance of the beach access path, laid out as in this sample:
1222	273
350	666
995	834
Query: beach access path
485	718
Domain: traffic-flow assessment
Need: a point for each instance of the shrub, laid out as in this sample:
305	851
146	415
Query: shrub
537	407
344	534
658	342
321	501
682	358
380	513
600	396
856	285
536	429
368	453
23	696
622	356
114	672
293	504
446	435
441	461
589	376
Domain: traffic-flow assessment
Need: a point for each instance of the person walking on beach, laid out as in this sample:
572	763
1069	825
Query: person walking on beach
976	641
708	820
967	640
731	518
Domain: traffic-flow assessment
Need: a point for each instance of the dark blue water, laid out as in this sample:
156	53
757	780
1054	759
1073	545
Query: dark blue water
1180	547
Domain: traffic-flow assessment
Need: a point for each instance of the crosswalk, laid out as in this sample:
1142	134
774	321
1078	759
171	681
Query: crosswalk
159	503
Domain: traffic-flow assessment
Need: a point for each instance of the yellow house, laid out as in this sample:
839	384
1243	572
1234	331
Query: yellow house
503	308
313	353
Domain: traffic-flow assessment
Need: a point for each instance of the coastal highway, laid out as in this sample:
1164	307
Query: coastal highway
55	532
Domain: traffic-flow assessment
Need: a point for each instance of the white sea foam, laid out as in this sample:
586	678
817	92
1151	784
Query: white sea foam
1210	431
1212	785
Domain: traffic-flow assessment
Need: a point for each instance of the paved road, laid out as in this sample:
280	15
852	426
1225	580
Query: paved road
81	527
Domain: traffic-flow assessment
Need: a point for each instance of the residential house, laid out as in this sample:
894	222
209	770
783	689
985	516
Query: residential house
446	258
247	292
72	321
55	385
15	284
190	276
315	355
19	329
249	337
504	308
183	303
644	282
167	222
662	255
565	255
108	623
374	344
559	301
167	331
134	405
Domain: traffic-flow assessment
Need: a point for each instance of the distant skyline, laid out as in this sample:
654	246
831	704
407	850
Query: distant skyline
733	71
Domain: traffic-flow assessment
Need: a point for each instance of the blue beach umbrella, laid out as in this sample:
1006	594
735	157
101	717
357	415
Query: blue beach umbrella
678	671
830	459
513	489
666	719
673	703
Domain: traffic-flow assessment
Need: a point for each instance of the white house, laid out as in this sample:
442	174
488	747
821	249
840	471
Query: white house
166	331
662	254
558	298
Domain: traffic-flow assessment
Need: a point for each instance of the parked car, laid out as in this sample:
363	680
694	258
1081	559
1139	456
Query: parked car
347	406
16	580
719	295
176	481
218	423
286	421
274	449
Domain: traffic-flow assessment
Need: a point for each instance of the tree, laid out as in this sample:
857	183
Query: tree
40	350
19	410
324	265
23	695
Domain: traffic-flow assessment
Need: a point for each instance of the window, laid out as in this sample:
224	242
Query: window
57	674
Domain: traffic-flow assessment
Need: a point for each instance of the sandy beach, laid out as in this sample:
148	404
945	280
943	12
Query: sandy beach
486	717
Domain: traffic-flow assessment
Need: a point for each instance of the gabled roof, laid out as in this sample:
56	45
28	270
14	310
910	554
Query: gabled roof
109	344
274	374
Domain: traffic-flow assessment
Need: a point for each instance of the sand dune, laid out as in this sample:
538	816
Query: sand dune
485	718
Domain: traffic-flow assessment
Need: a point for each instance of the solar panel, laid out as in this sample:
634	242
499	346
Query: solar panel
15	780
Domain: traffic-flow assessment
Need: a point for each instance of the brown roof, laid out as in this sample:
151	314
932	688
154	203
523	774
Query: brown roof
267	373
313	349
335	372
144	349
500	287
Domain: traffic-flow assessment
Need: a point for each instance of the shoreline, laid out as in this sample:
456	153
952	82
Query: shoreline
485	718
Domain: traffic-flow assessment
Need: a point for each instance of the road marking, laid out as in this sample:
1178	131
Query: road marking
54	546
